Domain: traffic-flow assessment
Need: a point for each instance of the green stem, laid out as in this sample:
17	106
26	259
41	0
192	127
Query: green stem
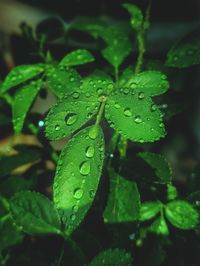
100	113
141	47
116	75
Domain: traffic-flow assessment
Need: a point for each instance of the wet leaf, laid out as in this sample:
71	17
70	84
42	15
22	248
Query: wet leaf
162	168
110	257
22	103
159	226
77	176
19	75
181	214
134	116
77	57
123	202
69	114
34	213
149	209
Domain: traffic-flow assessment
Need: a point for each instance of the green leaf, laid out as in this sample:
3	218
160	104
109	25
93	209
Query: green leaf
123	202
111	257
159	226
69	114
134	116
77	175
22	103
78	57
185	52
150	82
10	235
149	209
9	163
171	192
34	213
62	80
162	168
126	75
136	15
118	45
19	75
181	214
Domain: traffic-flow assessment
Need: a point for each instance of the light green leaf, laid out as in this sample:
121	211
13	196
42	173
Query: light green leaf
118	45
10	235
34	213
22	103
150	82
62	80
112	257
185	52
149	209
162	168
159	226
136	15
77	176
134	116
171	192
123	202
69	114
181	214
78	57
19	75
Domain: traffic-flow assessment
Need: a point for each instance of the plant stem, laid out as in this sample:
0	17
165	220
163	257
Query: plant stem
116	75
141	47
100	113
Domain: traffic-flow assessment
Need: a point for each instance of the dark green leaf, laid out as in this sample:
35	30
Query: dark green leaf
112	257
149	209
69	114
185	52
123	202
62	80
162	168
78	57
136	15
19	75
181	214
34	213
77	175
159	226
22	103
151	83
134	116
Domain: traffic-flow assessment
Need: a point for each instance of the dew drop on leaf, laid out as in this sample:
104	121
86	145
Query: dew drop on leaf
71	118
78	193
75	95
138	119
127	112
89	152
93	132
57	127
117	106
141	95
85	168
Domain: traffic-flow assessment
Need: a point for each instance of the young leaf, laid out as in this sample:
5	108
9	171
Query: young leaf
123	202
111	257
159	226
185	52
150	82
162	168
134	116
78	57
181	214
69	114
19	75
34	213
149	209
77	175
10	235
62	80
171	192
136	15
22	103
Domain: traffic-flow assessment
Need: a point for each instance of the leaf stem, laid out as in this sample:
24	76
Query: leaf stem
100	113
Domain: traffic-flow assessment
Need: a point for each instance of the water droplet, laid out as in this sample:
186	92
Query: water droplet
110	86
92	193
89	152
71	118
75	95
141	95
127	112
57	127
93	132
73	217
40	123
75	208
138	119
99	90
117	106
85	168
78	193
153	107
126	90
133	85
71	79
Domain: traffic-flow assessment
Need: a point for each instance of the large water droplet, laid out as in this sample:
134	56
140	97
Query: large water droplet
138	119
153	107
127	112
85	168
89	152
75	95
93	132
78	193
141	95
133	85
57	127
71	118
117	106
